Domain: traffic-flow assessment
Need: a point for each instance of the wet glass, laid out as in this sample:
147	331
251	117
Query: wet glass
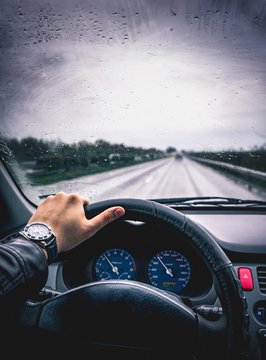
150	99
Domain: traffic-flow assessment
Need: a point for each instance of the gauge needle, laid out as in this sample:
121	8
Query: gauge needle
168	271
114	268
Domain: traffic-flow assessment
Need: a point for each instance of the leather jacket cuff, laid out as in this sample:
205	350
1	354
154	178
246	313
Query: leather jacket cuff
23	269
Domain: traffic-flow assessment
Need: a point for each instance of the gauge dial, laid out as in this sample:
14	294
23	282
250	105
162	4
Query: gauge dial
169	270
115	264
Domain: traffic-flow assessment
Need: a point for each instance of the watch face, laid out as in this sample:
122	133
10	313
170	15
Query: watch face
38	231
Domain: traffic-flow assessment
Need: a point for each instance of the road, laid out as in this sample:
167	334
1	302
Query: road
157	179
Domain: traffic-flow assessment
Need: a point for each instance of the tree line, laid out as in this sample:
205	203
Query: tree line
252	159
48	159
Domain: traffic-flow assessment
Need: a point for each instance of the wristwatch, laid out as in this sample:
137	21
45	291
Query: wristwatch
43	235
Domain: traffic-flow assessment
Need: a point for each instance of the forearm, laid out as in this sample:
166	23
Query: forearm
23	269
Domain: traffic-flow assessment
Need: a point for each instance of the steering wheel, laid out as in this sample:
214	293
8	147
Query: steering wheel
129	317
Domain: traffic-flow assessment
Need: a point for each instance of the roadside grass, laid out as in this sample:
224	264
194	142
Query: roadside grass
53	177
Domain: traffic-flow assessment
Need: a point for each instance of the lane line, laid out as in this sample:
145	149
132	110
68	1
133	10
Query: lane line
195	186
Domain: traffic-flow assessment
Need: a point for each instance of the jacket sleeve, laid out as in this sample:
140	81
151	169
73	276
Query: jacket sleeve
23	269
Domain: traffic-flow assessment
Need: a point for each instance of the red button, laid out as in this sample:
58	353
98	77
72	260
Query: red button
245	277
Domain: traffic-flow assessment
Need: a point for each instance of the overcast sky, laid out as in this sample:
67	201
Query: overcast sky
190	74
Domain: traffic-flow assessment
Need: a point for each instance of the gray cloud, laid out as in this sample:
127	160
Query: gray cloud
149	73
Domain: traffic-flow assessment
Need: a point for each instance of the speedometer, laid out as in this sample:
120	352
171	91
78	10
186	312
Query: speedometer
115	264
169	270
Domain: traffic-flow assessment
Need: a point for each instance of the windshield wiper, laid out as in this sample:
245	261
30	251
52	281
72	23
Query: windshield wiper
218	201
45	196
210	201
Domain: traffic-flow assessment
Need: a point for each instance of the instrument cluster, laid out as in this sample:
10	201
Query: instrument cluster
166	270
143	253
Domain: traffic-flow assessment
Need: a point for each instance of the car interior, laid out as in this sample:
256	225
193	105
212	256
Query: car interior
213	239
158	107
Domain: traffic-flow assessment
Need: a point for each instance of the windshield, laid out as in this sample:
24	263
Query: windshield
134	98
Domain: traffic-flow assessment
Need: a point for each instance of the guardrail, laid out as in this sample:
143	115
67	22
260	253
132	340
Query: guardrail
260	175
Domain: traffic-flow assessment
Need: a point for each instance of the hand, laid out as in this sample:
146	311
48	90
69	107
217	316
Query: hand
65	214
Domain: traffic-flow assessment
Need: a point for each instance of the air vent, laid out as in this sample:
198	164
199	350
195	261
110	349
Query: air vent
261	272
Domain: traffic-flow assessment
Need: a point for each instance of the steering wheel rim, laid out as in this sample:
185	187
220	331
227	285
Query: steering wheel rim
205	335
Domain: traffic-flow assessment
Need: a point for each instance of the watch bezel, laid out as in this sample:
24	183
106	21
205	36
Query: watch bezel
47	237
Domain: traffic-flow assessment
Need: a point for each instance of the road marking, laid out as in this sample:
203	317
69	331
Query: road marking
148	179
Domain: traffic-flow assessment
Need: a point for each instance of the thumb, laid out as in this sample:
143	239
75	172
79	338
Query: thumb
104	218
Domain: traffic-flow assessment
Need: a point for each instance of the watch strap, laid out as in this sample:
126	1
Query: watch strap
51	248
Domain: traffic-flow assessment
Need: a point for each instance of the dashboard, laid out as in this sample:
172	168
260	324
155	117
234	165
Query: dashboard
147	253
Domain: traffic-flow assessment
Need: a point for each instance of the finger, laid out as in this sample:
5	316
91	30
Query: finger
73	197
85	201
104	218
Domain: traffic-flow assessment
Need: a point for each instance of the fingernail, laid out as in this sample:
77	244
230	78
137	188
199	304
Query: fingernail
118	213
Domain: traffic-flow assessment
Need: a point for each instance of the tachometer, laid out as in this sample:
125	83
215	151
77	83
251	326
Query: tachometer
169	270
115	264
